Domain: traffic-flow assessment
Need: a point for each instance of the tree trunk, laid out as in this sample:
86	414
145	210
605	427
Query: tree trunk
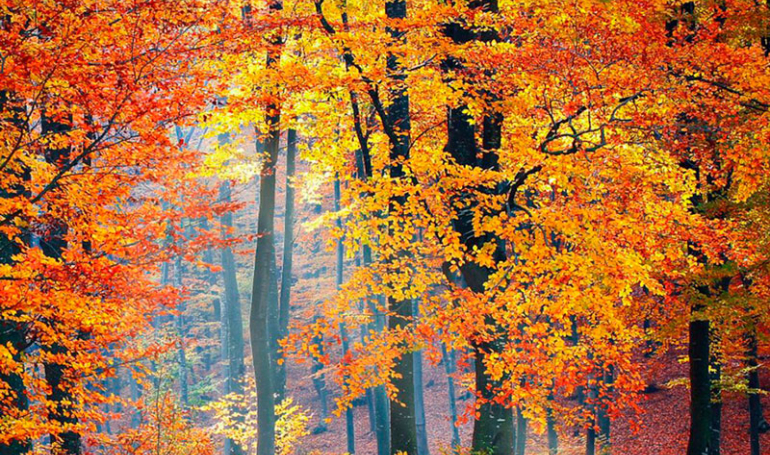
552	435
288	254
264	265
700	387
419	401
180	328
13	332
449	368
521	433
263	284
55	376
319	382
216	304
603	419
349	427
493	430
716	404
53	246
755	405
232	319
403	430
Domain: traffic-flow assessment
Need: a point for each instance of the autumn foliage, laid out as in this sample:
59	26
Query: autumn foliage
565	194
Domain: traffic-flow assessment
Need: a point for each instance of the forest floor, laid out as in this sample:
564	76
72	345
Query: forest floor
662	424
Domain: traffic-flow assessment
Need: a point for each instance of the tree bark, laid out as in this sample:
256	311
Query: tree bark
262	340
264	264
403	430
449	368
552	435
419	399
716	403
13	332
232	319
755	405
603	418
181	332
521	432
339	276
493	429
288	254
700	386
53	246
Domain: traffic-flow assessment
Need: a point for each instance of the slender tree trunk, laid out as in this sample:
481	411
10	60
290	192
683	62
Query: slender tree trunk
449	368
419	399
319	383
369	398
590	440
603	418
716	404
755	405
381	405
264	264
180	328
136	394
232	319
552	435
264	270
349	427
379	415
216	305
288	253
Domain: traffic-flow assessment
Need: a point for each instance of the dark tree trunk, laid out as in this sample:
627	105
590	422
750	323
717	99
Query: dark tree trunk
53	245
13	332
403	430
288	255
553	437
55	376
590	440
493	430
755	405
700	387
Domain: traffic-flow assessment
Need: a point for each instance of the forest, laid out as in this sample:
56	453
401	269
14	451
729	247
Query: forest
386	227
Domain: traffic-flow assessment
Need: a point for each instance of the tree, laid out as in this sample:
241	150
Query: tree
85	143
